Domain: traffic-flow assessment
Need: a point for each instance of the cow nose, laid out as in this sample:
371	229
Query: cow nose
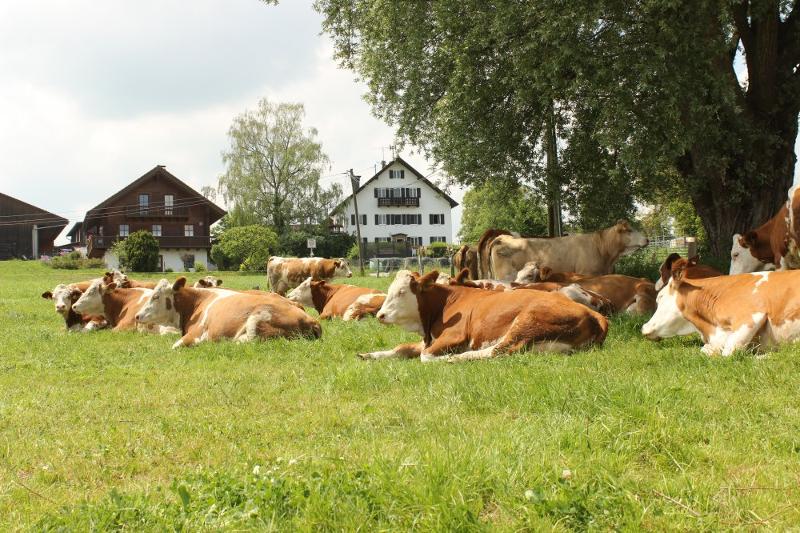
380	316
349	274
138	317
60	307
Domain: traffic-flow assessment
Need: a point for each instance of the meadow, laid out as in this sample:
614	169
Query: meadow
117	431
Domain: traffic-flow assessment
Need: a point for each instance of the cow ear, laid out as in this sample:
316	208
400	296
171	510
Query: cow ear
545	273
110	287
47	295
219	282
748	239
462	275
428	280
179	283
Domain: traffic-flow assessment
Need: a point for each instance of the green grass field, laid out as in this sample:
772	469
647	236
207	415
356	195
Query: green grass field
109	430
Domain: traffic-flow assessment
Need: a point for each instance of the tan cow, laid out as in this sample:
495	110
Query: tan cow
761	309
484	247
693	269
774	244
287	273
119	306
215	314
63	297
590	254
346	301
463	323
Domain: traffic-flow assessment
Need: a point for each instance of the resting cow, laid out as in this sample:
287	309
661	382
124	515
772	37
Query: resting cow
462	323
761	309
124	282
214	314
772	245
64	296
119	305
532	272
590	254
346	301
694	270
207	282
287	273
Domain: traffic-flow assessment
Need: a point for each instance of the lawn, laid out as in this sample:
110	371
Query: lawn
116	430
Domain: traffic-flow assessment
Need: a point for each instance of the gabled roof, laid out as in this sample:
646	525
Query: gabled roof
217	212
75	227
31	212
414	171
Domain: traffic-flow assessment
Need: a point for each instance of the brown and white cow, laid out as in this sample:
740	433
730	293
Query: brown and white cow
207	282
119	305
761	309
774	244
693	269
63	297
532	272
463	323
590	254
287	273
346	301
466	257
214	314
122	281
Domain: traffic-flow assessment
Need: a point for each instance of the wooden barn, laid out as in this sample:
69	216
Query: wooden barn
17	222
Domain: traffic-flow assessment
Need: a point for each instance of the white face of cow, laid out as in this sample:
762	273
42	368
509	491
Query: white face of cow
342	269
742	261
160	307
91	301
120	278
63	296
207	282
400	306
530	273
302	293
630	238
667	321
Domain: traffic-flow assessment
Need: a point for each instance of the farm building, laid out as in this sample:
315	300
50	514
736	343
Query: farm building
26	231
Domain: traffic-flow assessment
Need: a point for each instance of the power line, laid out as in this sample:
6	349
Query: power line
176	203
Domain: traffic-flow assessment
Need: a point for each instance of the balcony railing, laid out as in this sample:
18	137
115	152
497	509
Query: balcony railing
152	212
104	242
403	202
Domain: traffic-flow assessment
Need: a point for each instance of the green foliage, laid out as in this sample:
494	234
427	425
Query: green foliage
73	261
640	264
273	169
329	244
199	267
504	205
437	249
352	253
243	248
138	252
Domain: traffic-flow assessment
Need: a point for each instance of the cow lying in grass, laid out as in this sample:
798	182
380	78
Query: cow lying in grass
286	273
532	272
346	301
207	282
119	305
461	323
64	296
761	309
214	314
122	281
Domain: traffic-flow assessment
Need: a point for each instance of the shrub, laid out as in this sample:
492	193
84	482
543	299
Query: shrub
199	267
168	270
138	252
437	249
68	262
352	254
244	248
328	244
640	264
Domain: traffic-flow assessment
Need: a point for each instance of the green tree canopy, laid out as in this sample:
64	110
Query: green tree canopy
273	171
138	252
652	82
244	248
505	205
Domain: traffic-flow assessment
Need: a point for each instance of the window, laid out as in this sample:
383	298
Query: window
124	230
188	261
144	202
363	220
169	202
157	230
437	219
397	174
416	241
383	239
438	239
412	218
188	230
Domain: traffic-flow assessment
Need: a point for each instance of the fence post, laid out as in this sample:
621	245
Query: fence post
691	246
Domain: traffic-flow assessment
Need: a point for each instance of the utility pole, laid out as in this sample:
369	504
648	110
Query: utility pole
553	183
35	242
354	182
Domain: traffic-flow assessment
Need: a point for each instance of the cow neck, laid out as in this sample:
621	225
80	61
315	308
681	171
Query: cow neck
113	302
703	305
186	300
321	293
607	254
431	307
73	318
762	249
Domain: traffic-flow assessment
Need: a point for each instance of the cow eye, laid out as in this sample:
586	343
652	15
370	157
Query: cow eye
735	255
401	291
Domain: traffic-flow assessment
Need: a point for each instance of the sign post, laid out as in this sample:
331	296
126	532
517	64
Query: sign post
354	182
311	244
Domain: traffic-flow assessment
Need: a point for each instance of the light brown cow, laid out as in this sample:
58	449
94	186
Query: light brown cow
693	269
287	273
532	272
761	309
214	314
346	301
464	323
466	257
484	247
119	306
590	254
63	297
207	282
774	244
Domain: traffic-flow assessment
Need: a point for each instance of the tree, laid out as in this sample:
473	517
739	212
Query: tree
505	205
654	82
244	248
138	252
273	169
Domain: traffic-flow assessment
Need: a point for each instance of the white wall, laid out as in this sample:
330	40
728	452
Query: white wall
172	258
431	202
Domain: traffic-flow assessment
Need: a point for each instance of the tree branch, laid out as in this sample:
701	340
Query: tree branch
739	11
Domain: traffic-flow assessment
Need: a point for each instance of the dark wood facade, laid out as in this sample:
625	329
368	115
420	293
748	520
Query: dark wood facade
17	220
158	202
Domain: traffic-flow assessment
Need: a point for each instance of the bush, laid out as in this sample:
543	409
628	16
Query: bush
352	254
69	262
199	267
437	249
640	264
244	248
168	270
138	252
328	244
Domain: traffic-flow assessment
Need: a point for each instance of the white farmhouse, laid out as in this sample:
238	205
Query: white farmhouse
398	204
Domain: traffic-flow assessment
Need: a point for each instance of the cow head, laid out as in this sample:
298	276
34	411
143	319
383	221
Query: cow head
665	270
400	306
668	320
742	258
590	299
302	293
160	307
341	269
208	282
63	296
91	301
531	273
628	237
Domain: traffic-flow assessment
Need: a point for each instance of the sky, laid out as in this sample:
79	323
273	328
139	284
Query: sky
93	94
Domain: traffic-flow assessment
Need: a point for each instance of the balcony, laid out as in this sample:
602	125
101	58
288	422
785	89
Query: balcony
398	202
101	243
157	212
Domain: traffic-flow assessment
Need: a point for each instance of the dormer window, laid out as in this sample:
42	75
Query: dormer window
144	203
169	202
397	174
